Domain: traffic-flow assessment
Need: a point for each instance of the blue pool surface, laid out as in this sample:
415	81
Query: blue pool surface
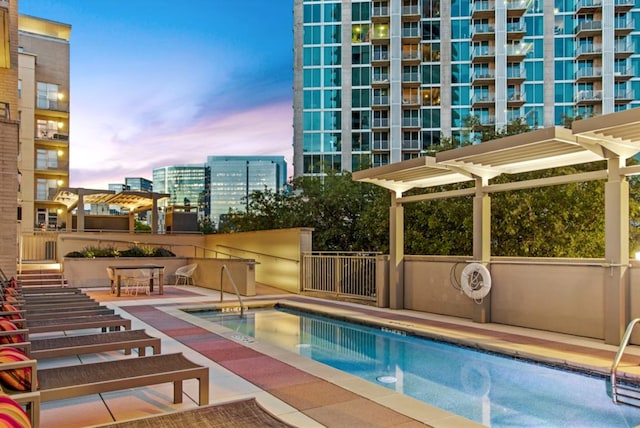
491	389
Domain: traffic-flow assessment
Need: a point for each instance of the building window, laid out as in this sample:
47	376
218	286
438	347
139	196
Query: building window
48	95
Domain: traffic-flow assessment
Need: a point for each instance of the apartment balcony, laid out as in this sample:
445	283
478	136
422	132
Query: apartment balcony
483	100
380	14
483	77
586	52
380	146
516	8
588	29
411	35
411	144
411	56
483	9
623	96
588	74
380	101
411	80
517	53
59	137
515	100
61	167
624	5
483	32
380	123
516	76
411	100
624	26
411	13
588	98
380	58
623	74
623	49
516	30
380	81
486	120
483	54
588	6
411	122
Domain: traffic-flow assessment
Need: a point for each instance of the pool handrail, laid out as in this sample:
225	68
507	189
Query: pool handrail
222	270
614	367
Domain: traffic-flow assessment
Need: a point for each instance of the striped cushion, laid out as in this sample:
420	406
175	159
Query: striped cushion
16	379
6	307
11	414
6	325
10	290
10	298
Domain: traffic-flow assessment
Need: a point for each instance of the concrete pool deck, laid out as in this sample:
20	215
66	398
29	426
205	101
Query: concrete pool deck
299	391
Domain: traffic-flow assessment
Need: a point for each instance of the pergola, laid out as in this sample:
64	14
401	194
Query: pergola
133	201
613	138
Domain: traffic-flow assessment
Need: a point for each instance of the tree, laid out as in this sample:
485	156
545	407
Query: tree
344	214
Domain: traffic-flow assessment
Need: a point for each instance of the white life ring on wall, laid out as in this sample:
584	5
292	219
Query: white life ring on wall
476	280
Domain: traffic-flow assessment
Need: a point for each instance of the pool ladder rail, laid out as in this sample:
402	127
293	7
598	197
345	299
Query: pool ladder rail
235	288
624	393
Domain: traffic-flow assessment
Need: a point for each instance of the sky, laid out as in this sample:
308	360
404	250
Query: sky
157	82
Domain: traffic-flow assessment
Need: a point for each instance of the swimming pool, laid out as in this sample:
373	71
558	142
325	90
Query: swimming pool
494	390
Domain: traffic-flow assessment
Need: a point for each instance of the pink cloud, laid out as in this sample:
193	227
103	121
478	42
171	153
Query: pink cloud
134	151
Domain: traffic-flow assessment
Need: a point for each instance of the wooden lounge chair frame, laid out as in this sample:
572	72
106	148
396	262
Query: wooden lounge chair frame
79	323
52	347
59	383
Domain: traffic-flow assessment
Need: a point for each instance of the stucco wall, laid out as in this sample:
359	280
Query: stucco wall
554	295
277	253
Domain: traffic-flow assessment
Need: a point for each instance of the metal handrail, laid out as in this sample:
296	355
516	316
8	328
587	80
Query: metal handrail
222	270
616	360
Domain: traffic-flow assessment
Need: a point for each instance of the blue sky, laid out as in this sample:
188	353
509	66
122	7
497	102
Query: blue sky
159	82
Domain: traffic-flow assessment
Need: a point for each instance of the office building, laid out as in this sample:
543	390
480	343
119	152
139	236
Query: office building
43	109
138	184
378	82
234	178
186	185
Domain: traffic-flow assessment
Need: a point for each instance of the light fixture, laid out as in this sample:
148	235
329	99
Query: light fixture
60	125
60	153
60	95
60	182
637	255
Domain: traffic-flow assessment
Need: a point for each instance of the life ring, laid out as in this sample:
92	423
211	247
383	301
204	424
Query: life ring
476	280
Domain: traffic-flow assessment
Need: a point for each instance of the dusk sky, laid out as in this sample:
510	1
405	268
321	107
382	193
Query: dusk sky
159	82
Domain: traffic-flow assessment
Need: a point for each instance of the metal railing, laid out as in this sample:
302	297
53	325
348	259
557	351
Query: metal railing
620	393
235	288
340	274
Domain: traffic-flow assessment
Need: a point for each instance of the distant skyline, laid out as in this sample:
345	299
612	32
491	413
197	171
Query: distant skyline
158	83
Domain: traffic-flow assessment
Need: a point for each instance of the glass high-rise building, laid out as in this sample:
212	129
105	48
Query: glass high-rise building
186	186
378	82
234	178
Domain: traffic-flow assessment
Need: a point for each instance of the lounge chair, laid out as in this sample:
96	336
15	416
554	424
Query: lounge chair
184	274
79	323
244	413
93	343
59	383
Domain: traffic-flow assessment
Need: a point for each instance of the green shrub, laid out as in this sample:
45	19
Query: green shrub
163	252
75	255
91	252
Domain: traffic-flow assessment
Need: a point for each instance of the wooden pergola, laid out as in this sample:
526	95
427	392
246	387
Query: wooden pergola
613	138
133	201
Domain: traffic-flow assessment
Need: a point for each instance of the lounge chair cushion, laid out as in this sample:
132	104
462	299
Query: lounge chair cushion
6	325
12	415
6	307
10	298
15	379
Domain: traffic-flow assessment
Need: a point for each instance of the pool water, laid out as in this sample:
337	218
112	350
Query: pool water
494	390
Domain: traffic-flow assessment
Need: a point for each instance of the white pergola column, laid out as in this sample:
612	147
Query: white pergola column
616	281
482	243
396	253
80	211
